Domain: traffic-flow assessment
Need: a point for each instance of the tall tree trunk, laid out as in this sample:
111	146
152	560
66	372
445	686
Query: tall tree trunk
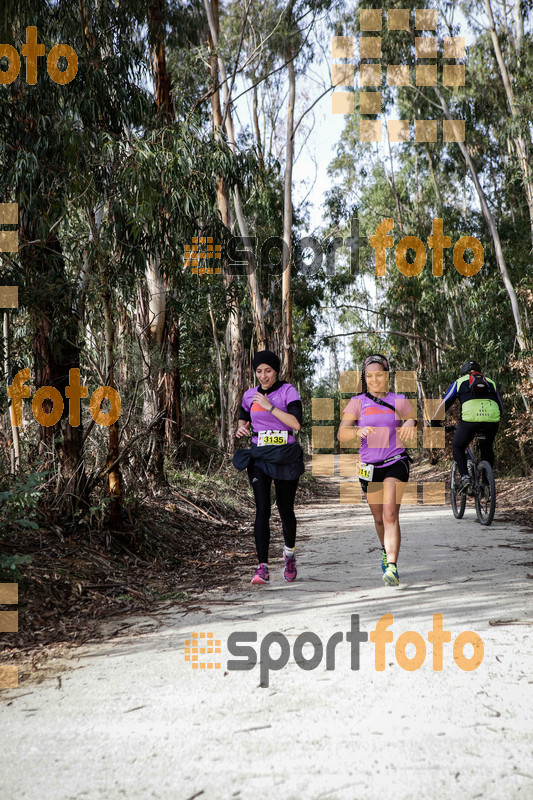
160	337
286	300
521	335
114	475
147	335
519	23
171	387
234	348
56	352
257	131
222	428
521	139
234	337
15	452
211	8
163	90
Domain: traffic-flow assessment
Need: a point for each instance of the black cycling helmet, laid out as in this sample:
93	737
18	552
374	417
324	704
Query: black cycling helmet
470	366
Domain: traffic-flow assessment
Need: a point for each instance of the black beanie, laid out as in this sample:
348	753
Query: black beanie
266	357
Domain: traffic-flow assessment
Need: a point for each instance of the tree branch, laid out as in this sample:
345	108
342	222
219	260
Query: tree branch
414	336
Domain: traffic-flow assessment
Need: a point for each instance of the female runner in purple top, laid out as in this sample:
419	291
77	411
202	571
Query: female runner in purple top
377	414
273	410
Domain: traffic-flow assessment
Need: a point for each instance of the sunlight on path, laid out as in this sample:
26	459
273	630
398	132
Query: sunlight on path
133	719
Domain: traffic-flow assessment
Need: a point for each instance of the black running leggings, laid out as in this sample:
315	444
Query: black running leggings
285	494
465	433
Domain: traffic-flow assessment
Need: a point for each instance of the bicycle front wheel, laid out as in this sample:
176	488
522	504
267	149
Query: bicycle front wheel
458	498
485	496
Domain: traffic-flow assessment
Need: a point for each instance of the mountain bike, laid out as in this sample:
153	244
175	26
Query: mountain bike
482	488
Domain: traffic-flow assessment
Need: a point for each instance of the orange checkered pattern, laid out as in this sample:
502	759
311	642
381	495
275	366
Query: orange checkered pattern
202	643
9	623
9	243
194	256
372	75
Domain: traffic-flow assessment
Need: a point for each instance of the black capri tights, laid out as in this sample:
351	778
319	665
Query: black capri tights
464	434
285	494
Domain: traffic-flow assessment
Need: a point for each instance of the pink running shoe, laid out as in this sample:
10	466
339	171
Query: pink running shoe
290	572
262	574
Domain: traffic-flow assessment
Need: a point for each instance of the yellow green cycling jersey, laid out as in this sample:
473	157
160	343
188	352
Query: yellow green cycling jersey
486	409
480	411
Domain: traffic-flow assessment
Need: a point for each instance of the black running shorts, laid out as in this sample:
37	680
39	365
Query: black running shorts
398	469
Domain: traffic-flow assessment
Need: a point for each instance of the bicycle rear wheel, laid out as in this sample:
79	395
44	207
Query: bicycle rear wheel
458	498
485	495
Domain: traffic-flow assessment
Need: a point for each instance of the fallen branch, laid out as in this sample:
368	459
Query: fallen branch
201	510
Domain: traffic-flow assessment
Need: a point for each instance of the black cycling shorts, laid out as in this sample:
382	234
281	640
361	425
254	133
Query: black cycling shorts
398	469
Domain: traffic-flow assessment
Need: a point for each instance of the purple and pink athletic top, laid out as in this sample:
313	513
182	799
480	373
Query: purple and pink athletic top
282	395
383	443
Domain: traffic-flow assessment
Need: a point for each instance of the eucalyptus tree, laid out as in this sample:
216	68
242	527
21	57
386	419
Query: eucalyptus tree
512	60
102	184
438	170
47	130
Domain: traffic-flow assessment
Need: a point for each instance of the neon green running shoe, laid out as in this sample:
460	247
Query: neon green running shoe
384	562
390	576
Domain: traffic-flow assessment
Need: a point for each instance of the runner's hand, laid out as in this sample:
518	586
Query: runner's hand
407	433
366	431
243	430
262	400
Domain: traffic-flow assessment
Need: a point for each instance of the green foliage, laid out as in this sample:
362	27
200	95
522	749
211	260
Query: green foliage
9	567
19	503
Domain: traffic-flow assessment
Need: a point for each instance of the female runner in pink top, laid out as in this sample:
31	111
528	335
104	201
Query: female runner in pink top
377	414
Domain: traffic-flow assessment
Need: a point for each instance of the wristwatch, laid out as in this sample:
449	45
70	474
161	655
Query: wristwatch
271	409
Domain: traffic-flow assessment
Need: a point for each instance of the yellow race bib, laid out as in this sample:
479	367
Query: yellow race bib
366	471
272	437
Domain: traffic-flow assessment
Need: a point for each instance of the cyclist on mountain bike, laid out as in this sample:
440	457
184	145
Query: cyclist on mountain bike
481	410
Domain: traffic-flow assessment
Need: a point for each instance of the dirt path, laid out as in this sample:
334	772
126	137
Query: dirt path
130	718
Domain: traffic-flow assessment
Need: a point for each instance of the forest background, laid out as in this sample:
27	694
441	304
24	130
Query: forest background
185	120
